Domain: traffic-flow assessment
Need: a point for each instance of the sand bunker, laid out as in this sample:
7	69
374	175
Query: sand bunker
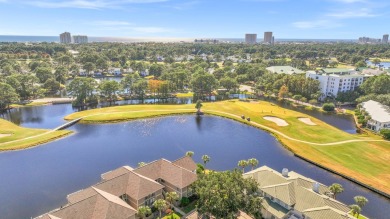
4	135
307	121
278	121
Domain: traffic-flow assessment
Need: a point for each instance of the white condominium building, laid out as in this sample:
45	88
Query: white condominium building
79	39
335	80
65	38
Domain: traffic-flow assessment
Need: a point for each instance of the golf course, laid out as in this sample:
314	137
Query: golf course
363	157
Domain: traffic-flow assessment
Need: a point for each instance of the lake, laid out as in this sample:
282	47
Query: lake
37	180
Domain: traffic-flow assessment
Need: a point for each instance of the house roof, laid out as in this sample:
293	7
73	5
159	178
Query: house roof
377	111
168	171
273	208
294	190
117	172
100	206
337	70
134	185
326	212
284	70
186	162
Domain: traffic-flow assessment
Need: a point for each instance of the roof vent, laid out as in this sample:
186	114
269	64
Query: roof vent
285	172
316	187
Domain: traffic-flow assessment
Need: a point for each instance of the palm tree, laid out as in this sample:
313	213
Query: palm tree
361	201
355	209
198	106
243	164
205	159
253	162
171	197
160	205
336	188
141	164
143	211
189	153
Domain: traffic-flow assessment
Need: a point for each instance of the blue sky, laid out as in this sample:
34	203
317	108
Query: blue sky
288	19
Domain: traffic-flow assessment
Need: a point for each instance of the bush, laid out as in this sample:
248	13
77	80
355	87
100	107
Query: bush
328	107
184	201
360	117
200	168
385	133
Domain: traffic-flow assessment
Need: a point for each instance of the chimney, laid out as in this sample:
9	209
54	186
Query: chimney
285	172
316	187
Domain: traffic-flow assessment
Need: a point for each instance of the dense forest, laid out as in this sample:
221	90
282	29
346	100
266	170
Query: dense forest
161	70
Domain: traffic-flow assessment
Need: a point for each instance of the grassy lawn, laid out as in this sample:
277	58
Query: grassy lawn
182	95
365	161
28	105
175	215
23	136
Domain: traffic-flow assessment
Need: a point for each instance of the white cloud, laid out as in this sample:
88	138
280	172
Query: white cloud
107	25
88	4
360	13
350	1
111	23
316	24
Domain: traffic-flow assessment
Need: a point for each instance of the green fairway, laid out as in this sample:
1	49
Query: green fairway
363	157
19	138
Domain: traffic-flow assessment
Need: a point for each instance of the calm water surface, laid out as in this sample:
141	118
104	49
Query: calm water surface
37	180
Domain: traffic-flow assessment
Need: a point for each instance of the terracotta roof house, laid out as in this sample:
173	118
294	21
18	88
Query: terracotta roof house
101	205
291	195
172	176
122	191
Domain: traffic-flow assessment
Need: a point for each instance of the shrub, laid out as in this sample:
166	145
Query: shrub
328	107
184	201
200	168
385	133
313	101
360	117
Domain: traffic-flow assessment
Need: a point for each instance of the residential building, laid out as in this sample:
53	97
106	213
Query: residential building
122	191
80	39
284	70
291	195
368	40
379	113
268	37
65	38
115	71
250	38
335	80
385	38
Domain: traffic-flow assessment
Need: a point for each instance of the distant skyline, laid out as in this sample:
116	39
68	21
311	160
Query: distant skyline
287	19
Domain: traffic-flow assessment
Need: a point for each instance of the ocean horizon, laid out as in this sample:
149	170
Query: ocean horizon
56	39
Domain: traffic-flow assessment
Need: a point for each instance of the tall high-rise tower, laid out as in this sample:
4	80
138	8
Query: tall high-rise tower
385	38
65	38
268	37
250	38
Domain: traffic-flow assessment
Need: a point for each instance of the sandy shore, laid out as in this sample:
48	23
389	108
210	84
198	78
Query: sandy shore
307	121
278	121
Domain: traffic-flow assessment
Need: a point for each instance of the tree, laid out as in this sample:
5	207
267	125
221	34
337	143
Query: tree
203	84
8	95
336	188
198	105
205	159
143	211
385	133
109	89
171	197
128	81
61	74
160	205
83	90
229	83
89	66
52	86
328	107
139	88
24	85
355	209
243	164
253	162
376	61
283	92
189	153
43	73
361	201
223	194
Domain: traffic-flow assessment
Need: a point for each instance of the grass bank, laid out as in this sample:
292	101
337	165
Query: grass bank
357	156
20	138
